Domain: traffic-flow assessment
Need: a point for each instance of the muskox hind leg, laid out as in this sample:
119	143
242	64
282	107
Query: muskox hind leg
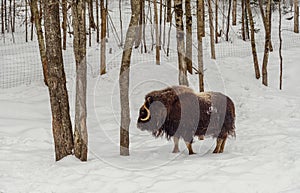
223	145
189	146
176	148
218	146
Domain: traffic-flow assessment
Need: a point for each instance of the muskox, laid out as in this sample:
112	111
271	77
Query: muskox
179	112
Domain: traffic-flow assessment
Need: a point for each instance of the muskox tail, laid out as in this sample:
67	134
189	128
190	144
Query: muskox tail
230	118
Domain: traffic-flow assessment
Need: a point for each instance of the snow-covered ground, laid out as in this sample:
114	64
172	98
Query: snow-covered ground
264	157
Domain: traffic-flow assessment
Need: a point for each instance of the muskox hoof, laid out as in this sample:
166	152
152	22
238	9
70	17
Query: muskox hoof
192	153
175	151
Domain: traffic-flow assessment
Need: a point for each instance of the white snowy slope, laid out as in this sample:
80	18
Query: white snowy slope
264	157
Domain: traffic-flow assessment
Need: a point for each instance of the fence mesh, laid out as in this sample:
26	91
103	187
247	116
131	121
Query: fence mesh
20	61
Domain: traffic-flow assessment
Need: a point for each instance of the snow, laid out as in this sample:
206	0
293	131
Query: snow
264	157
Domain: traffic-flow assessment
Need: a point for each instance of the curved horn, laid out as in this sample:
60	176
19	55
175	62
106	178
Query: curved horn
148	114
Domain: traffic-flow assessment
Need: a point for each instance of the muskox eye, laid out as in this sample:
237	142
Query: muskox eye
143	113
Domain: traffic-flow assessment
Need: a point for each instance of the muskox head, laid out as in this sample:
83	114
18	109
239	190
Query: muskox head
152	116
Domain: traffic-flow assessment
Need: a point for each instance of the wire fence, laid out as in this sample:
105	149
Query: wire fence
20	62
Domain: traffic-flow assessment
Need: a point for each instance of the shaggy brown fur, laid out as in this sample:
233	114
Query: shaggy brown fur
179	112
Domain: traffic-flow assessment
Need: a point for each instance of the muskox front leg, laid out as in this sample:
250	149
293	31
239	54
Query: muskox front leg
176	148
189	146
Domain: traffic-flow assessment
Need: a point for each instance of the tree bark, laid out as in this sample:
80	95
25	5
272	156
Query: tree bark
180	43
97	22
280	46
234	7
265	21
121	22
253	45
64	23
211	29
247	36
157	40
169	10
2	17
13	17
243	20
200	48
201	17
189	37
103	38
91	14
79	41
267	44
41	39
296	16
124	78
61	123
26	20
216	20
228	21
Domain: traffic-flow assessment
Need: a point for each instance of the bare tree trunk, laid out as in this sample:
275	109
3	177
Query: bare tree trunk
107	23
124	78
13	17
169	10
216	20
139	31
121	22
267	44
97	22
160	22
103	38
211	29
234	7
2	17
31	21
61	123
91	14
296	16
189	37
180	43
64	23
90	29
223	18
79	41
200	49
169	38
228	21
26	21
247	36
264	21
9	17
280	46
40	37
144	25
202	17
164	32
254	53
243	20
157	41
5	13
